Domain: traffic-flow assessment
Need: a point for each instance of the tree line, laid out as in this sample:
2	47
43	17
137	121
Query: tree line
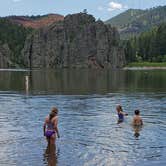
14	36
148	46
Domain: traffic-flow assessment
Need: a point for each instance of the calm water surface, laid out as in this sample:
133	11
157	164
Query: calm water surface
88	126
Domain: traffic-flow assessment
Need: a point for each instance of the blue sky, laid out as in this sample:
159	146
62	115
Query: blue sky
103	9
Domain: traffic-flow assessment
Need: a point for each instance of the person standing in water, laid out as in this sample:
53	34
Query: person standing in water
50	127
137	123
121	114
137	120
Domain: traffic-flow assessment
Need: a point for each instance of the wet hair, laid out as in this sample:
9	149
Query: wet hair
54	112
51	115
137	112
119	107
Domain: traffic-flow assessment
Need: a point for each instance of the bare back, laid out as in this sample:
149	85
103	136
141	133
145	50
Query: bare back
137	120
53	122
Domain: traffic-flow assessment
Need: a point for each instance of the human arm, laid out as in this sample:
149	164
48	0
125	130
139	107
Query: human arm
44	125
57	131
125	114
44	128
56	126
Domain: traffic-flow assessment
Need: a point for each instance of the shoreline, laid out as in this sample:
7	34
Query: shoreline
144	68
123	68
14	69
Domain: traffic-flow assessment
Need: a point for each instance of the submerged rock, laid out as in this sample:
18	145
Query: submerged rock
78	41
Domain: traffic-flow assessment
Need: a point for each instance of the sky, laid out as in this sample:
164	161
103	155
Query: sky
100	9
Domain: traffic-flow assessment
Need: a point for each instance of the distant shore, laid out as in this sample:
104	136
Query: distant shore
146	66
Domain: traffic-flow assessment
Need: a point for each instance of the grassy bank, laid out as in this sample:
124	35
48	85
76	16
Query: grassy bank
147	64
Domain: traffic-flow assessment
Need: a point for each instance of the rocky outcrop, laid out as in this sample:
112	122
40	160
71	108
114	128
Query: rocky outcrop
4	56
78	41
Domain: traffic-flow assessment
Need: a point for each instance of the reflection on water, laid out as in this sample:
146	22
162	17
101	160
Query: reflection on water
89	131
137	130
84	81
86	100
50	157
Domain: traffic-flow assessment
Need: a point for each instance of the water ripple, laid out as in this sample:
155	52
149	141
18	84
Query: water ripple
89	131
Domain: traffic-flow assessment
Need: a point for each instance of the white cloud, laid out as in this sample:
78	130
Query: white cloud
16	0
116	6
100	8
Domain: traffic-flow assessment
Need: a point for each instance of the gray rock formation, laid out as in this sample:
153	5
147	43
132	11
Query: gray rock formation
4	56
78	41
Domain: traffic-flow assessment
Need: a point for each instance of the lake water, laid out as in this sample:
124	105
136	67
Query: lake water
86	99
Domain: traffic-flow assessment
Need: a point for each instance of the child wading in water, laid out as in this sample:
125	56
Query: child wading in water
137	120
121	114
50	127
137	123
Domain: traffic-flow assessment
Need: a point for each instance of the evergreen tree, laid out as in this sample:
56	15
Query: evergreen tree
15	36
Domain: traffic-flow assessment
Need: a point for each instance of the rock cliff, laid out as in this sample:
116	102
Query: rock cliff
4	56
77	41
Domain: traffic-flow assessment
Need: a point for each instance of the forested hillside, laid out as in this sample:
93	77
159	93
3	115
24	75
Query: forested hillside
134	21
14	31
14	36
36	22
125	18
149	46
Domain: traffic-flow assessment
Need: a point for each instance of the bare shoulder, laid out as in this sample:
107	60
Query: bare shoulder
55	118
135	117
47	119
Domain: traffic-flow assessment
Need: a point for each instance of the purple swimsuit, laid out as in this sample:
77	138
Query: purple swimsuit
49	133
50	130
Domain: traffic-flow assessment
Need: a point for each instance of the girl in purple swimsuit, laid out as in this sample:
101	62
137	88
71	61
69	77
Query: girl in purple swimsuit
50	127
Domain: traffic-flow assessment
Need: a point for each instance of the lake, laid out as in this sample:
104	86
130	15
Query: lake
89	132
